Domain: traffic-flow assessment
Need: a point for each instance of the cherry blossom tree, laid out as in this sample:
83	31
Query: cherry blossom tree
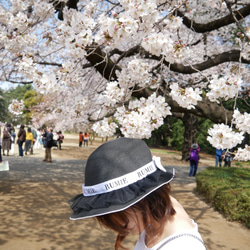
128	64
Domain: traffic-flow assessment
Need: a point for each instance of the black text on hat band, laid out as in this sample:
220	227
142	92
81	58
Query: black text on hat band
120	182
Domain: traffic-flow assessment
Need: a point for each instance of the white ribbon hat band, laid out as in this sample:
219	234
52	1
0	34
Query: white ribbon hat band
125	180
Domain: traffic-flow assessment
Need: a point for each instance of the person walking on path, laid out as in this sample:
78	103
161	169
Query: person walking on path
60	139
6	143
21	139
13	134
34	135
194	159
28	141
0	146
128	191
85	139
48	145
44	135
38	142
218	157
80	139
228	158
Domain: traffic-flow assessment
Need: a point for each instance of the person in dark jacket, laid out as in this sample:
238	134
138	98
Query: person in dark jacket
21	139
48	145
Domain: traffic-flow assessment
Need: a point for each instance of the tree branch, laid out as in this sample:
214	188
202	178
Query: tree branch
229	56
216	24
102	63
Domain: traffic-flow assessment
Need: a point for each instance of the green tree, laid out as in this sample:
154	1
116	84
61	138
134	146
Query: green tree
3	107
7	97
30	98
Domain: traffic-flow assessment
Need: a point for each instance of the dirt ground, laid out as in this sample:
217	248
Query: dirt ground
27	223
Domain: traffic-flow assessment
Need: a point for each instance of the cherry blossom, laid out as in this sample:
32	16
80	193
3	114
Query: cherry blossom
142	116
105	128
186	98
221	136
242	121
150	48
243	154
225	87
16	107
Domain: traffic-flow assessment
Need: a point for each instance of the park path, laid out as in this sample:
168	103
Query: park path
35	213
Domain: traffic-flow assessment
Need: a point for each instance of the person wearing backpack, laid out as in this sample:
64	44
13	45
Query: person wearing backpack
48	145
194	159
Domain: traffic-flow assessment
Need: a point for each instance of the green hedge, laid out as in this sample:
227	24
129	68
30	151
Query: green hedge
229	191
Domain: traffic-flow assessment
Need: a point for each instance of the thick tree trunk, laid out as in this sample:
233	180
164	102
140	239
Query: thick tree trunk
190	125
158	140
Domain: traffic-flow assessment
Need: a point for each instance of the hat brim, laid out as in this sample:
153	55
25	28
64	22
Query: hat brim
118	200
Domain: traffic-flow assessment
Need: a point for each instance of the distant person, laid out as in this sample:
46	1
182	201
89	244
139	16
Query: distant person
85	139
0	146
12	132
194	159
34	134
218	157
60	139
48	145
21	136
228	158
128	191
28	141
44	135
39	139
6	142
80	139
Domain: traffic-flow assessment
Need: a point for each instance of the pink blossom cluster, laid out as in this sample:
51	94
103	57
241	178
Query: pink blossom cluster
16	107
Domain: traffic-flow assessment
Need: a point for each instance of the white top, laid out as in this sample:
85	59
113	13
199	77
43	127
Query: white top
189	240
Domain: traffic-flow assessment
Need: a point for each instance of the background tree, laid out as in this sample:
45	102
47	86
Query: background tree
7	96
3	107
31	99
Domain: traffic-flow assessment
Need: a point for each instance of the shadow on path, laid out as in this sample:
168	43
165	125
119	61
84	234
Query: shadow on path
35	213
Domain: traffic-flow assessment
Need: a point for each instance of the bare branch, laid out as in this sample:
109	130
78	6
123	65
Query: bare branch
216	24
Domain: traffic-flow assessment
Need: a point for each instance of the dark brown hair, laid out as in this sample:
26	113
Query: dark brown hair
156	208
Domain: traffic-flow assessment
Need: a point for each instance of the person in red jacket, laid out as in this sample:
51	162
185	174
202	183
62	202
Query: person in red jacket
80	139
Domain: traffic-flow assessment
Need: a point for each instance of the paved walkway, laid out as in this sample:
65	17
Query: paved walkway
35	213
29	169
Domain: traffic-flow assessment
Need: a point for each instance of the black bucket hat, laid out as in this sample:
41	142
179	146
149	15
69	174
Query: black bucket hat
194	146
118	174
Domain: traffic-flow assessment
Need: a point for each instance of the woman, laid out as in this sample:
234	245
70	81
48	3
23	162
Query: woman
194	159
60	139
85	139
21	139
128	191
28	141
48	145
6	144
